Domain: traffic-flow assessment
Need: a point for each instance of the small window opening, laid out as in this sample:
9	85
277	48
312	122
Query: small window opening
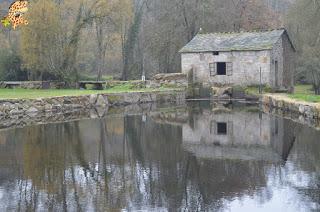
221	69
221	128
215	53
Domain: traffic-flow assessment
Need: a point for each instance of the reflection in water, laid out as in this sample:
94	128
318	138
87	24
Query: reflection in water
197	158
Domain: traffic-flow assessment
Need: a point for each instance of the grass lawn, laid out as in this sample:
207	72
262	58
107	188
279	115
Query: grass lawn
305	93
302	92
19	93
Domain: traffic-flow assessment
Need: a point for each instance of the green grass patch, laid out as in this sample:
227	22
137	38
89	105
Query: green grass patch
19	93
302	92
305	93
303	89
304	97
254	90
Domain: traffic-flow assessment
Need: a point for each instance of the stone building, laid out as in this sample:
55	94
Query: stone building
235	58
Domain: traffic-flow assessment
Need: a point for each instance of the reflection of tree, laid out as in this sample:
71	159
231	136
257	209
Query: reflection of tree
44	157
306	156
156	151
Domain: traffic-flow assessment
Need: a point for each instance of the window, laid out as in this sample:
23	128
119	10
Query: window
201	57
222	128
215	53
221	69
213	69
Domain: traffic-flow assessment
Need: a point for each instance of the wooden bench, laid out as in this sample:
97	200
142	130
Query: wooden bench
12	84
97	85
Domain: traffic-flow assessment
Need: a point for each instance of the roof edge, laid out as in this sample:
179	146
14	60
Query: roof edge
289	39
234	50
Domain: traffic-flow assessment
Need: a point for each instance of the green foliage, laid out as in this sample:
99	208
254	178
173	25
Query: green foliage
307	98
305	93
255	89
10	67
304	27
41	40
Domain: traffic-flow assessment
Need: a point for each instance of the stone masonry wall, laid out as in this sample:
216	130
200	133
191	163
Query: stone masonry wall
39	85
177	80
277	55
302	112
286	104
69	104
22	120
246	65
289	68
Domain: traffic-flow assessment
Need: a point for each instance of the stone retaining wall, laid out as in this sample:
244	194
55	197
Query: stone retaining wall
69	104
286	104
177	80
133	84
22	120
39	85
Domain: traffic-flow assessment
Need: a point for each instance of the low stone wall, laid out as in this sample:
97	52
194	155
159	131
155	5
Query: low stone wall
294	116
37	85
23	120
178	80
134	84
69	104
286	104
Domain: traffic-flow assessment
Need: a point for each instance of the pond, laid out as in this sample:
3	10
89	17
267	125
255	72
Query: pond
200	157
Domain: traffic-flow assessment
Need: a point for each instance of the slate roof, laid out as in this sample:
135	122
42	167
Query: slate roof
234	41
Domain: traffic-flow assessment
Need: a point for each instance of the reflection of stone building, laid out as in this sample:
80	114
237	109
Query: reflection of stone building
235	135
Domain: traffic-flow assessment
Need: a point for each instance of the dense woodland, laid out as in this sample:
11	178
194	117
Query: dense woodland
73	39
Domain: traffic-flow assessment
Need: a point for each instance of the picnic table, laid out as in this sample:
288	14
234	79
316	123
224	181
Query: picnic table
98	85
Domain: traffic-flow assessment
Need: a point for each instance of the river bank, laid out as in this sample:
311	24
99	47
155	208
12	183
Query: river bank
286	104
51	106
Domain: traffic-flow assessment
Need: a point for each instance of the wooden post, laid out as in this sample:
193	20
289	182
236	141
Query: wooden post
260	85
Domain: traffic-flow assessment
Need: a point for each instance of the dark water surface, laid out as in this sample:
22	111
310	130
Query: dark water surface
195	158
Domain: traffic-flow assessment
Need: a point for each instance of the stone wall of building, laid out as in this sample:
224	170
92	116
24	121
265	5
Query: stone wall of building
246	66
289	67
277	56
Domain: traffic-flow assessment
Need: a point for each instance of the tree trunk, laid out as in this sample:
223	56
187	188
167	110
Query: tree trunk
131	42
102	46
